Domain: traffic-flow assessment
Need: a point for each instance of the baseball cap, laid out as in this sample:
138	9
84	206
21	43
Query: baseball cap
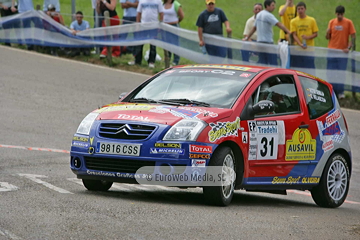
51	7
210	1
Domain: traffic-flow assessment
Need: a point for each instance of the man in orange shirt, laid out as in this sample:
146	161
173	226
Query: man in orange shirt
338	33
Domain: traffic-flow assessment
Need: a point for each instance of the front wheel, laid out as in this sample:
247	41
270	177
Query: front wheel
222	195
334	183
97	185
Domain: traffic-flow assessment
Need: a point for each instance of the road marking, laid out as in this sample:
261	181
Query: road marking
34	177
9	235
309	194
117	187
7	187
35	148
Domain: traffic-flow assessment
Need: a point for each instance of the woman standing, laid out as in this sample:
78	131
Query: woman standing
173	15
101	7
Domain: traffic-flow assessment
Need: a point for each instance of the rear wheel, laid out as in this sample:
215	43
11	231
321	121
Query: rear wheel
97	185
334	183
222	195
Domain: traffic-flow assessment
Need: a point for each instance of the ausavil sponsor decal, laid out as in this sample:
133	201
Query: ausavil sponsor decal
330	131
81	139
200	149
301	146
110	108
80	144
224	129
133	117
295	180
198	163
178	112
167	151
168	145
198	155
265	136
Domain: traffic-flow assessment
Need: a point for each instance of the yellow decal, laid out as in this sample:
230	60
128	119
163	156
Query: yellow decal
91	140
168	145
295	180
121	107
81	139
223	129
218	66
301	146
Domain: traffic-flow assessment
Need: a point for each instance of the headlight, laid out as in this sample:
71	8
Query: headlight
86	123
185	129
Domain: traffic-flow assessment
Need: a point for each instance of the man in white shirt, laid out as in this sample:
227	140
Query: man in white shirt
250	23
148	11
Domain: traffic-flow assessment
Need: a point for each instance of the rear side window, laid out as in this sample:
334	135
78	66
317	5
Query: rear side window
318	97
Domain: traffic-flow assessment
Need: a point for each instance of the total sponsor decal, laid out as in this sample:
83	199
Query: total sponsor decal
301	146
133	117
80	144
218	66
200	149
330	131
265	136
81	139
168	145
167	151
223	129
198	163
122	107
295	180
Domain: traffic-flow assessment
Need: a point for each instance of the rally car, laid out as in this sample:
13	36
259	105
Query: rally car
275	129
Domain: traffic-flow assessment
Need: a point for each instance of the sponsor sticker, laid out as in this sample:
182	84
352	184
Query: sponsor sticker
224	129
80	144
301	146
81	139
200	149
198	163
167	151
167	145
198	155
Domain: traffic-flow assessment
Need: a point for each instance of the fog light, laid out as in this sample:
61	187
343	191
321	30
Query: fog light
77	162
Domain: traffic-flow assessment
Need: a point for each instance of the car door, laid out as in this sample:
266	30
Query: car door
280	145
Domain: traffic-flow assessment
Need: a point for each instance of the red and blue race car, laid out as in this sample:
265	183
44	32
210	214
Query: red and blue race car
266	129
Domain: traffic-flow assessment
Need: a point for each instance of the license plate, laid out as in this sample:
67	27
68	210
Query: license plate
119	149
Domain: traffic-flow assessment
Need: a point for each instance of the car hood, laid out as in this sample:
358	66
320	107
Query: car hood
164	114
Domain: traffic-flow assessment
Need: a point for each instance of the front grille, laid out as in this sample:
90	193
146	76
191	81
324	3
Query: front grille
116	165
125	131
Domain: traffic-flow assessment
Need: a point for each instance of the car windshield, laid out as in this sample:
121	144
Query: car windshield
203	87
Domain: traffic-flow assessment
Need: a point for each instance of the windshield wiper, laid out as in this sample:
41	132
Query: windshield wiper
143	100
185	101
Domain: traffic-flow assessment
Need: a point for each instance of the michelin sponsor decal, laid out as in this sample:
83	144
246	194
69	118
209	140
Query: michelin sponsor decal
265	136
167	151
330	132
301	146
80	144
224	129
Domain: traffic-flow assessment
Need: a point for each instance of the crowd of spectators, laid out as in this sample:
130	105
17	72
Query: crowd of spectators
296	27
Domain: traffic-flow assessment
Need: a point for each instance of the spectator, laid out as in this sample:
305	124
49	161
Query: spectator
56	16
148	11
5	10
210	21
304	30
97	16
24	6
286	12
338	33
76	26
53	2
250	23
129	16
101	7
264	26
173	15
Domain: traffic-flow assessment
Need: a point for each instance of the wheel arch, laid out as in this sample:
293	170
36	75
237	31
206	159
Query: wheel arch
239	158
347	157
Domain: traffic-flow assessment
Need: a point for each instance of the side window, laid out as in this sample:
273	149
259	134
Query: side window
318	97
281	91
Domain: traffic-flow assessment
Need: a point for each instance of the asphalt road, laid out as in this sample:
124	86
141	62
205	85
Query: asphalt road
42	101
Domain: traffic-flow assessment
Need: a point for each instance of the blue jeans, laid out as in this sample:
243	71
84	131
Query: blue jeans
216	50
268	58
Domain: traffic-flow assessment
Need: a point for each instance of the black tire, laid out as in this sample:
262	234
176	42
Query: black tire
221	195
97	185
334	183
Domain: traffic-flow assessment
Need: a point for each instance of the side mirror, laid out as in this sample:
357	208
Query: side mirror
264	106
122	95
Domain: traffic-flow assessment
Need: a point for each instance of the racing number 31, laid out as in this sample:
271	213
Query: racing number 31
267	147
